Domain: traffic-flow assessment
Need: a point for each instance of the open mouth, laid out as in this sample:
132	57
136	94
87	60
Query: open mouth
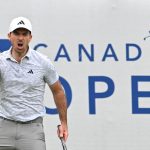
20	44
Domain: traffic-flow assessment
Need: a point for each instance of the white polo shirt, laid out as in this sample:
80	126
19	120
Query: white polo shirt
23	84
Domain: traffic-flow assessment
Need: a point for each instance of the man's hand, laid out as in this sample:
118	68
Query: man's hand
62	132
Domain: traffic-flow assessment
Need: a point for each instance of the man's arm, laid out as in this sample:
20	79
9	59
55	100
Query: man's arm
61	104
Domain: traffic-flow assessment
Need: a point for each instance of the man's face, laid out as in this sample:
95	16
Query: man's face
20	39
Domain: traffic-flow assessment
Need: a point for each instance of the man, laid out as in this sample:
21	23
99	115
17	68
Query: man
23	75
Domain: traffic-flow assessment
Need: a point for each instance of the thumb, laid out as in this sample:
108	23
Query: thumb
60	131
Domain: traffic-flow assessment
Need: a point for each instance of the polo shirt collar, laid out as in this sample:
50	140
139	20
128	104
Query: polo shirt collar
9	56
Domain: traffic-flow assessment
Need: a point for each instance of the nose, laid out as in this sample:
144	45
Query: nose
20	37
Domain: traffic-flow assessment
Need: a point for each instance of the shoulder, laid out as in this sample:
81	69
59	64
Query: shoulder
4	54
40	58
36	54
3	57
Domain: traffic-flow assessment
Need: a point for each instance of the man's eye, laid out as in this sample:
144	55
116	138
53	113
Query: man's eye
25	34
16	33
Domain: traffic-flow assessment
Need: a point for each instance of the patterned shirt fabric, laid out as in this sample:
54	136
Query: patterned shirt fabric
22	85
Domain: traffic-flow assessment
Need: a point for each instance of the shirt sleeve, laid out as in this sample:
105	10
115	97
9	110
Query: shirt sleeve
51	75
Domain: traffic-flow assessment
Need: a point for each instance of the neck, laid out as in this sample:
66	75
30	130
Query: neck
18	55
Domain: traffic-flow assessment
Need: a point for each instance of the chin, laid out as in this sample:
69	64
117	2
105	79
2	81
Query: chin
20	49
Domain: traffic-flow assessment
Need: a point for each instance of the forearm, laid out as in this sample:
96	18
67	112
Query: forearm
61	103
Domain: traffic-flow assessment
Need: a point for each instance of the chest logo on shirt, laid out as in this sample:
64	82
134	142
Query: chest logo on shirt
30	71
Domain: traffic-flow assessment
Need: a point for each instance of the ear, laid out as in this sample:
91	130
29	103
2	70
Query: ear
30	37
9	34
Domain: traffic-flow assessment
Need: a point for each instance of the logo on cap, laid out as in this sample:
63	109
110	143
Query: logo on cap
21	22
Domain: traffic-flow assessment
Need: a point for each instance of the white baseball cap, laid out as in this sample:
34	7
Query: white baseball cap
20	22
